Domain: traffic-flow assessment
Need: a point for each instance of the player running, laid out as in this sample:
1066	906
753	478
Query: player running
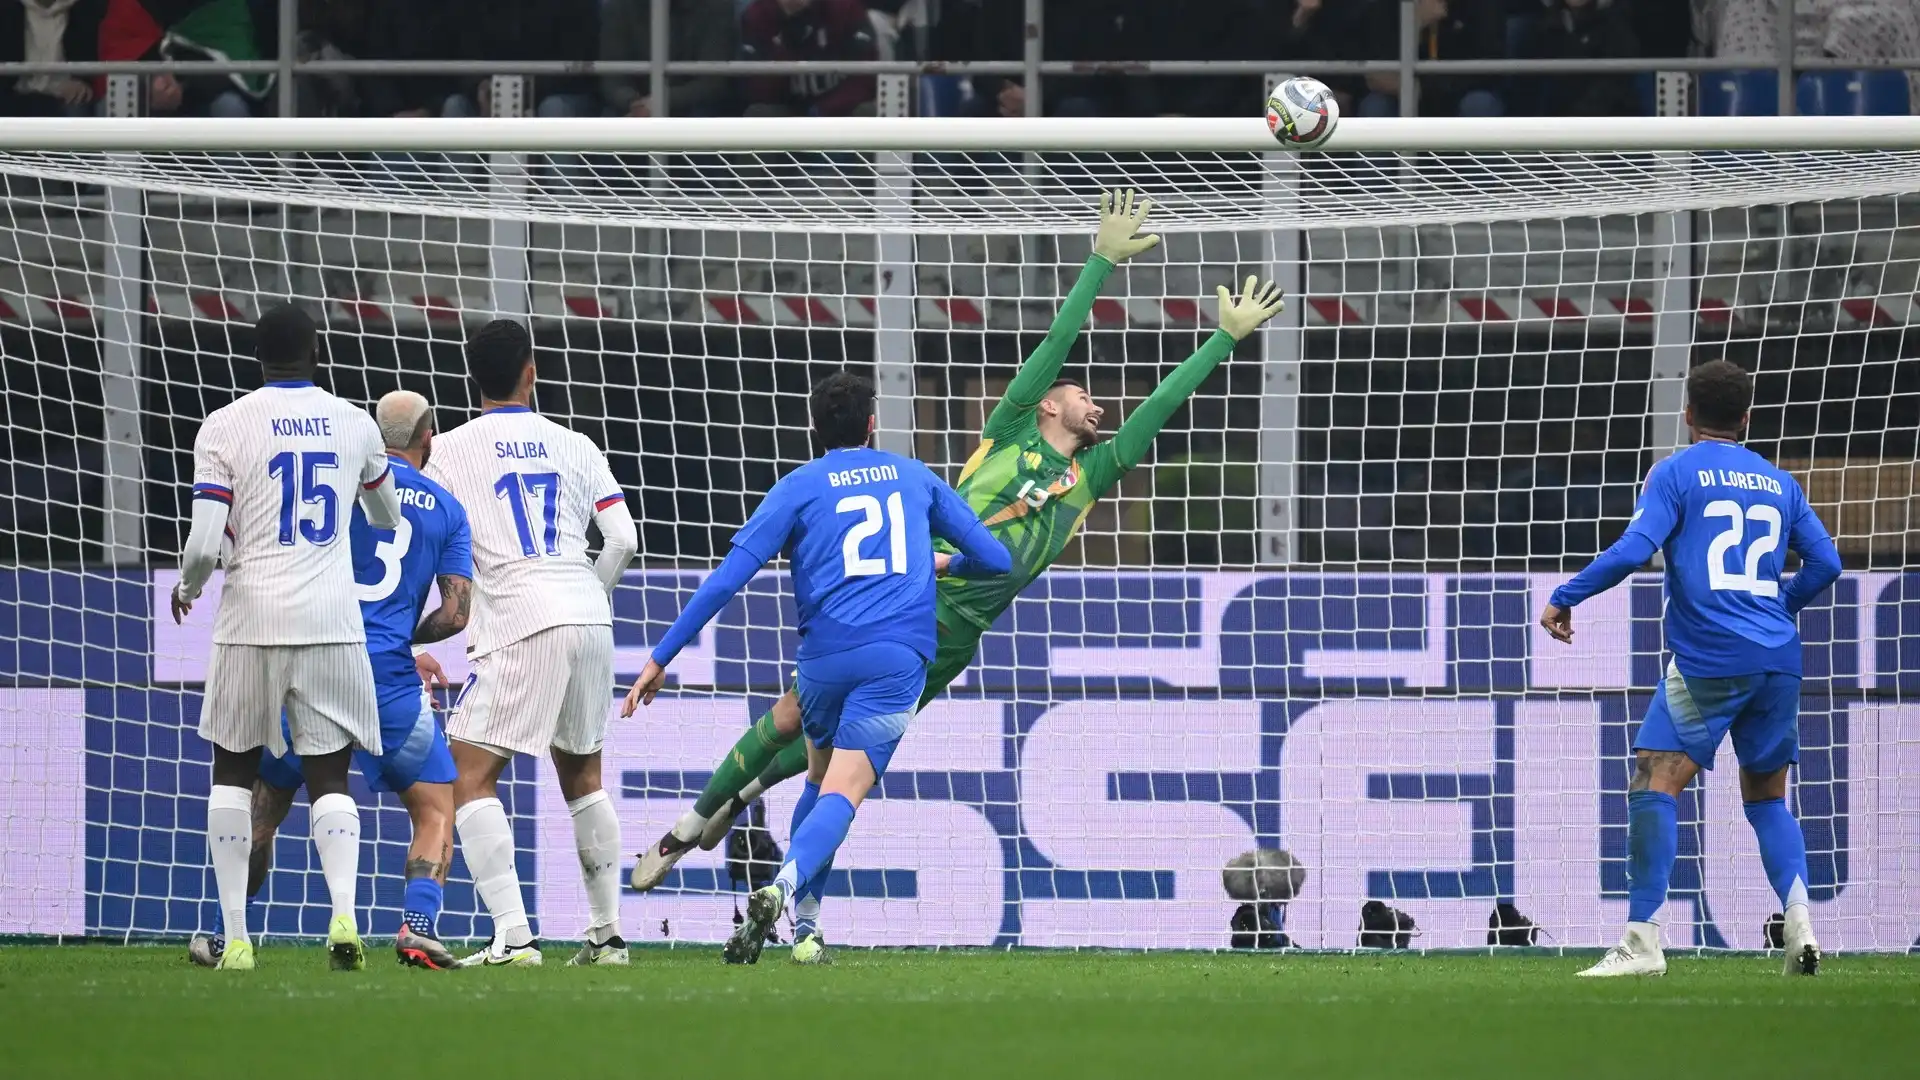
1718	511
395	568
541	641
857	525
276	470
1038	470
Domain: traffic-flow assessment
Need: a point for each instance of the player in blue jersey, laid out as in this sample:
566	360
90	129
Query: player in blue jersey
1720	514
394	570
856	526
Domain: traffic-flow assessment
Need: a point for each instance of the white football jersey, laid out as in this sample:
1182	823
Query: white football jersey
530	487
290	459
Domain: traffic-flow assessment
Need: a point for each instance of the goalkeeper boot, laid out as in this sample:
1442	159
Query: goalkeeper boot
658	859
1803	952
237	956
763	910
423	950
721	823
611	952
812	949
344	951
1637	954
204	951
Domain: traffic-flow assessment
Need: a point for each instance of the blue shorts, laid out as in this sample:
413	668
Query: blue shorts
861	699
414	751
1692	715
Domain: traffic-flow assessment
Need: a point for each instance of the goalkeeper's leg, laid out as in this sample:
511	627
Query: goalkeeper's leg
769	740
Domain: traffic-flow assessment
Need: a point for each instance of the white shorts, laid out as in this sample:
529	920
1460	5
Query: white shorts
551	689
326	690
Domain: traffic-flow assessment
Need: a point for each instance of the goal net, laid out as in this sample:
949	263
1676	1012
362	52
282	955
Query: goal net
1306	623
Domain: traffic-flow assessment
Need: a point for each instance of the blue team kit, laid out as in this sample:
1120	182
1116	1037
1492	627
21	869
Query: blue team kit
1724	518
856	527
395	570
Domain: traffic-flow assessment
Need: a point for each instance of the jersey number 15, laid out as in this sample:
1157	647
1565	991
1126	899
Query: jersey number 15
1719	578
895	524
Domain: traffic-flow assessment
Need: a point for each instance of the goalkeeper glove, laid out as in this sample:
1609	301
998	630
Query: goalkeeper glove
1242	315
1121	213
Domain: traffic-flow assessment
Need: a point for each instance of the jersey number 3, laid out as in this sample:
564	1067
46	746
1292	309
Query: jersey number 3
389	552
1719	578
896	527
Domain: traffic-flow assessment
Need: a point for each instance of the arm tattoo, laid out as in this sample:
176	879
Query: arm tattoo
456	598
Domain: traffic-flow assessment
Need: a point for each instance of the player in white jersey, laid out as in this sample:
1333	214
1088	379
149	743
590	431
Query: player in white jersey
277	471
540	640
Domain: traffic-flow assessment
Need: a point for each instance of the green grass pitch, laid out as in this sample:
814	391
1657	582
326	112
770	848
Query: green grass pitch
136	1011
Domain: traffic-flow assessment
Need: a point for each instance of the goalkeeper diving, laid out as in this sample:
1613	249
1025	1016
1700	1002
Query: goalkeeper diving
1036	474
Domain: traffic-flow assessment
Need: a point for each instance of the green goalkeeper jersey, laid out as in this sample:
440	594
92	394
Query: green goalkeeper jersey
1032	497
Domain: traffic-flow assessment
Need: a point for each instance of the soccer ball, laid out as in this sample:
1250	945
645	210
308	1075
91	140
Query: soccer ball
1302	114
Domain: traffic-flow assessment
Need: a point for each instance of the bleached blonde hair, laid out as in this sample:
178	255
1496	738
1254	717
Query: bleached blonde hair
400	416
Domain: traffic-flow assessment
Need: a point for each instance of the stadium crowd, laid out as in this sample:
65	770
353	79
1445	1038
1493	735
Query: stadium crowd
930	30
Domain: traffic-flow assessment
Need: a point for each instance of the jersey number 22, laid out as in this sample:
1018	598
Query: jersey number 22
1719	578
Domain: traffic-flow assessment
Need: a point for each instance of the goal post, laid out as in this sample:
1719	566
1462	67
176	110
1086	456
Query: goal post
1305	623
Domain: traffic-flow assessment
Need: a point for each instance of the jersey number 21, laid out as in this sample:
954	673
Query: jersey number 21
896	526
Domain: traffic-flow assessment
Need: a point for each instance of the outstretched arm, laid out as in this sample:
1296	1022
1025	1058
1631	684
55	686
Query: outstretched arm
1239	316
1653	521
1121	215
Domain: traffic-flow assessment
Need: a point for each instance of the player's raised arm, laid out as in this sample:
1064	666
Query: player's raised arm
981	554
379	496
1819	559
1654	519
1239	316
212	501
758	541
1121	216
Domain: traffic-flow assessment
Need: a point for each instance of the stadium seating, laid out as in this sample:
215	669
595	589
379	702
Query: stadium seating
1817	93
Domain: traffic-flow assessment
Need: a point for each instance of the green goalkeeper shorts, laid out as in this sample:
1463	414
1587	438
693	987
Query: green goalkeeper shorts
955	644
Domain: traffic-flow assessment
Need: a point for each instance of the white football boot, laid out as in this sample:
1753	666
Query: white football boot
611	952
499	954
1803	952
721	822
1637	954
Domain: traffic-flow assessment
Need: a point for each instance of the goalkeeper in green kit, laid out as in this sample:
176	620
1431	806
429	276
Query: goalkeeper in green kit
1038	470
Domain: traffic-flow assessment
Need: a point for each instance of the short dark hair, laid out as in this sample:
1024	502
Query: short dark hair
496	355
841	408
1720	393
1066	380
284	341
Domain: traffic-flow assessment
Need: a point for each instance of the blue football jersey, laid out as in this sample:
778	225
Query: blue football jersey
396	568
857	527
1725	518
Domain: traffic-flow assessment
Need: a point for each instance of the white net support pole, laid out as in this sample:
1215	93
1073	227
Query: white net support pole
122	331
1280	369
895	281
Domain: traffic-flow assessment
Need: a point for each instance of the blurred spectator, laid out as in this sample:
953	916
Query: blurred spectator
532	30
1448	30
1215	30
415	30
979	30
188	30
1842	29
699	29
329	30
808	30
50	31
1328	30
1105	30
1582	30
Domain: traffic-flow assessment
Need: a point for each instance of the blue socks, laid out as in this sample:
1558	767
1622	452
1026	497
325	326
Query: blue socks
809	794
422	905
1783	849
1653	839
815	841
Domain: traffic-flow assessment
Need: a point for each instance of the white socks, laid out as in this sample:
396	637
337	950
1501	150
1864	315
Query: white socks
689	827
336	834
596	835
1644	936
486	839
230	842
